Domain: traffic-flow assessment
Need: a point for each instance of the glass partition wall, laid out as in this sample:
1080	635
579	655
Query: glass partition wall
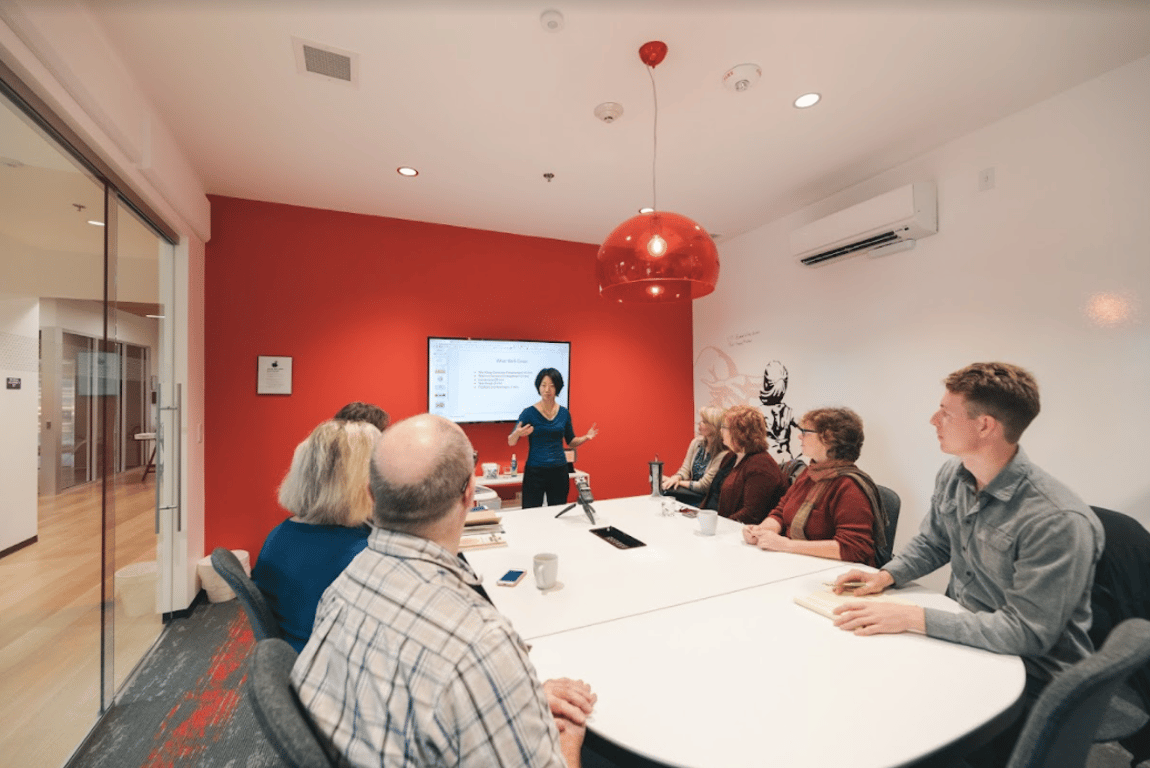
86	340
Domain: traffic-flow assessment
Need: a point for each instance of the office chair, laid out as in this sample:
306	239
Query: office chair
791	469
1122	591
1059	730
284	721
891	504
228	566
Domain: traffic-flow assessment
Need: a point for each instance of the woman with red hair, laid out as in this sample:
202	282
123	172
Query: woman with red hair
753	483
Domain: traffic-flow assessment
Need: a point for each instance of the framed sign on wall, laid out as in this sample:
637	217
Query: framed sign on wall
273	375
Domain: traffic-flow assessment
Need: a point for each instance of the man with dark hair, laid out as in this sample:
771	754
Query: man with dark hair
358	411
1022	546
409	666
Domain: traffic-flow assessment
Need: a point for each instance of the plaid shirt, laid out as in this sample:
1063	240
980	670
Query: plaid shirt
407	665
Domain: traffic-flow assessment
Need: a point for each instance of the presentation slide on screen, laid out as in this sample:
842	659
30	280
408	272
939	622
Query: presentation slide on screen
475	380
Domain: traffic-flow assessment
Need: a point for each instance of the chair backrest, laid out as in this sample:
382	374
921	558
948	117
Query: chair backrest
791	469
1122	585
1059	730
284	721
260	616
891	504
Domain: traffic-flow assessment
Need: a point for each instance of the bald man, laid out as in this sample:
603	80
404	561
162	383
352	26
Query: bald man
407	664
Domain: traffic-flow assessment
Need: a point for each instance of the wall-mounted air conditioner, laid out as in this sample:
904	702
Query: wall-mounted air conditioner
885	224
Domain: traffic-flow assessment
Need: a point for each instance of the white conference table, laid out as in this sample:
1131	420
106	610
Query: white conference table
701	658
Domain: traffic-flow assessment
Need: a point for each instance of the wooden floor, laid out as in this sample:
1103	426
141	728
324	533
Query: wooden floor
50	620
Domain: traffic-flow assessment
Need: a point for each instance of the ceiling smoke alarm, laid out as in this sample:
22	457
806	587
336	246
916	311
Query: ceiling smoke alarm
609	111
742	77
552	20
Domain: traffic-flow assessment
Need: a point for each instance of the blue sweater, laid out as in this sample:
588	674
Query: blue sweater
296	564
546	442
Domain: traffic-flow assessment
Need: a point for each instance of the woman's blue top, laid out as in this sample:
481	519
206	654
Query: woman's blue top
546	442
296	564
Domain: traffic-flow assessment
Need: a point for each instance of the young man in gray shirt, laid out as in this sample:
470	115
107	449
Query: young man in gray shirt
1021	545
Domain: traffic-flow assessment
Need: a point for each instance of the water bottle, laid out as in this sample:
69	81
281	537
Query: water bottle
656	475
514	465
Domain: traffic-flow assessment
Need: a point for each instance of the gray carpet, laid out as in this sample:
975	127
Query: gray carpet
185	706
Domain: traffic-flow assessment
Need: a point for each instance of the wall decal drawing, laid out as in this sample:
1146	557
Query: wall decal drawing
719	383
780	416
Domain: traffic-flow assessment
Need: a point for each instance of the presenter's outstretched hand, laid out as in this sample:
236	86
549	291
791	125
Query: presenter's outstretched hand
520	431
591	433
872	582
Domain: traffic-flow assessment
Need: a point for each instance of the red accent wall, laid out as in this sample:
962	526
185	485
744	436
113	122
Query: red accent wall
352	299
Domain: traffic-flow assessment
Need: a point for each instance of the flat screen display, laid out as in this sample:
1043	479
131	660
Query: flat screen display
487	380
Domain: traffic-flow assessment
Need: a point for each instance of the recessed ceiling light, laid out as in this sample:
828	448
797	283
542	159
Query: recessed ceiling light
646	210
155	317
807	100
95	223
406	171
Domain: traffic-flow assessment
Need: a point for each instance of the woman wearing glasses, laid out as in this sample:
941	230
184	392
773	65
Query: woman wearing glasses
691	483
833	510
326	492
752	482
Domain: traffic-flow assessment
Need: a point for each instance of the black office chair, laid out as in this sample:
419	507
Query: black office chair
228	566
791	469
891	504
1059	730
284	721
1122	591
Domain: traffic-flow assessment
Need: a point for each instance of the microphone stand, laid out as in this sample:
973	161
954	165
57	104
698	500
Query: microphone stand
587	508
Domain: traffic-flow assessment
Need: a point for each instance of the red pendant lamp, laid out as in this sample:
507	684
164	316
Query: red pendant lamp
657	256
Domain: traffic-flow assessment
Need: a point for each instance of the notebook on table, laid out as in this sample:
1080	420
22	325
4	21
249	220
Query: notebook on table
481	541
824	601
481	516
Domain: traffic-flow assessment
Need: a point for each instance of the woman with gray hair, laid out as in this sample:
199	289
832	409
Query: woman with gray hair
326	490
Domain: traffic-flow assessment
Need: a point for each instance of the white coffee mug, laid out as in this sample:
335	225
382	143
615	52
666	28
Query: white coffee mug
546	570
708	521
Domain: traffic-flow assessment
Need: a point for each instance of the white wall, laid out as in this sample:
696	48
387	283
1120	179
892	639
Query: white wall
19	334
1010	276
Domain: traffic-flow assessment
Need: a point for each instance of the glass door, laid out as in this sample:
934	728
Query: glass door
86	336
52	278
137	325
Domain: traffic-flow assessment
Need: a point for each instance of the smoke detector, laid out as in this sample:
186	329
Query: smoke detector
609	111
552	20
742	77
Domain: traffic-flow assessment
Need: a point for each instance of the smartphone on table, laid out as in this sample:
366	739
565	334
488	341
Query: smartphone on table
511	578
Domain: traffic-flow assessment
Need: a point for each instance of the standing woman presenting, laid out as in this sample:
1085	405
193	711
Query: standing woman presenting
546	425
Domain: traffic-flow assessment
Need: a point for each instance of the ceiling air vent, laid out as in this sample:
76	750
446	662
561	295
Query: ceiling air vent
325	61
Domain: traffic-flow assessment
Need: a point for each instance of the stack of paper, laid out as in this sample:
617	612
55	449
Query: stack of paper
481	540
482	530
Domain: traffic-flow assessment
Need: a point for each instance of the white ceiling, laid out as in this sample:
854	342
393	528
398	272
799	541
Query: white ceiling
483	101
